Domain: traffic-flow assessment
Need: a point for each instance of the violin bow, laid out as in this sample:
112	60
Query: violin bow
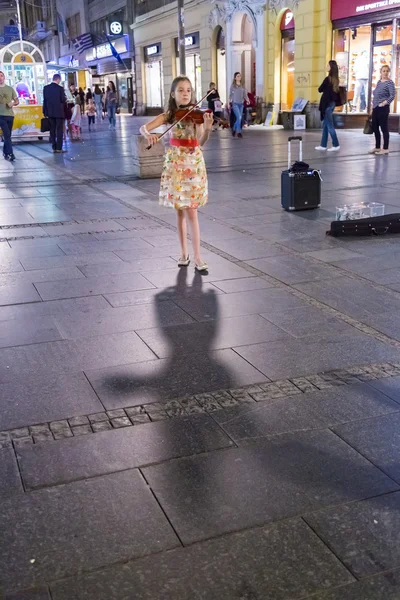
182	118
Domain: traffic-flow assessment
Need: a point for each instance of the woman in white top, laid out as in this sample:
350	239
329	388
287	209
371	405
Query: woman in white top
76	120
237	96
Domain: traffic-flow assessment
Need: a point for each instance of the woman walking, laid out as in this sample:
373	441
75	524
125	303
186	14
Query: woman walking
384	94
329	100
184	177
98	98
237	96
111	105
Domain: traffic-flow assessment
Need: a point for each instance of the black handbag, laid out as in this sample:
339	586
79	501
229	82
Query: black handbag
44	125
368	127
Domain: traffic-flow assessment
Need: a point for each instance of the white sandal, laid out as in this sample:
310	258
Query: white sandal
184	262
201	268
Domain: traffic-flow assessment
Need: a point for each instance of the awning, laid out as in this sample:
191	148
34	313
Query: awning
64	68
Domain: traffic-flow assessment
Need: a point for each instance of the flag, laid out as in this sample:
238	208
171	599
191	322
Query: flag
115	52
99	39
83	42
60	23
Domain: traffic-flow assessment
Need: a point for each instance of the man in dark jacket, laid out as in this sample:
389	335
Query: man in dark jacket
53	107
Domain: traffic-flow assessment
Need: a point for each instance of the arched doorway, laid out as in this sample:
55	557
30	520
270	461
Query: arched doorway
221	63
287	60
244	53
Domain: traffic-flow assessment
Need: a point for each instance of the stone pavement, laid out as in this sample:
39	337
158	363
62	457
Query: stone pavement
167	436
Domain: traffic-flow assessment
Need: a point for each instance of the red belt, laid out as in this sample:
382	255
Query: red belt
184	143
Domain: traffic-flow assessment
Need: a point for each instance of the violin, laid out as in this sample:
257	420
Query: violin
193	114
196	115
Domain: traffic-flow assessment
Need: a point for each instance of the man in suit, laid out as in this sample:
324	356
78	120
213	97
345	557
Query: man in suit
53	107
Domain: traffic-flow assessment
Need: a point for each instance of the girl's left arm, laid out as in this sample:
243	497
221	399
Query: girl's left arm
205	129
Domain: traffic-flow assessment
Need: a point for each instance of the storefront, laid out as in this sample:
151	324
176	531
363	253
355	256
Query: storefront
365	37
25	70
221	64
154	76
287	60
106	68
192	60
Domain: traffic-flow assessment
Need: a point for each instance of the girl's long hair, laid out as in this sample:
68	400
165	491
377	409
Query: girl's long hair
112	86
234	79
172	106
97	90
334	75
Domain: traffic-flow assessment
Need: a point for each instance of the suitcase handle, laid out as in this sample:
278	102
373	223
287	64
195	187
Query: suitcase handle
381	231
300	140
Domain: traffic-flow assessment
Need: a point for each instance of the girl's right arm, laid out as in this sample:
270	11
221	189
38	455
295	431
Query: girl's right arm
146	129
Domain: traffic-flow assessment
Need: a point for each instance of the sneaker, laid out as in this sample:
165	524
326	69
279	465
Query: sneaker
110	127
11	157
334	149
240	135
184	262
320	148
383	152
374	151
233	133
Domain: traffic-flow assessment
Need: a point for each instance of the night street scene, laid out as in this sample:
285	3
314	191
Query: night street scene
199	335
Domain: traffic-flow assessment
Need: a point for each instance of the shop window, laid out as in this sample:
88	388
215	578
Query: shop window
341	48
383	33
287	77
221	65
359	68
154	84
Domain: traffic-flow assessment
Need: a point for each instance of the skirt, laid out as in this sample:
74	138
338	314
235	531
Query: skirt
184	179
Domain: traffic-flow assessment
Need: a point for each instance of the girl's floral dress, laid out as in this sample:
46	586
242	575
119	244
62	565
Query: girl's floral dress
184	176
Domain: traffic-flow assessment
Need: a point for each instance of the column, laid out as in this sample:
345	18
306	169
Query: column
260	55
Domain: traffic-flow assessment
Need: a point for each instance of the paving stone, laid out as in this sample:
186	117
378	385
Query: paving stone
228	402
101	426
19	433
346	377
379	587
10	481
40	398
286	386
242	396
136	410
61	434
311	410
45	436
121	422
38	594
98	417
319	382
5	444
365	535
82	526
276	562
159	416
269	480
140	419
120	449
57	425
39	429
5	436
269	391
221	395
156	407
23	441
115	414
76	421
303	384
389	386
81	430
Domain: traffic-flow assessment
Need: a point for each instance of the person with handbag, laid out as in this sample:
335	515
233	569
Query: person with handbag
112	102
54	101
329	100
8	99
383	96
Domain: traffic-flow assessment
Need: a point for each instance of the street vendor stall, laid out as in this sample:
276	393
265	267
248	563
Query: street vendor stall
25	70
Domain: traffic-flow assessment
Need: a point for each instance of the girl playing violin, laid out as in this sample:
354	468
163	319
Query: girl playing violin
184	177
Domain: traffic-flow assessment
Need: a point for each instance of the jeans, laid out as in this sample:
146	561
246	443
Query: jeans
380	117
6	124
329	128
111	114
360	93
99	109
92	120
238	111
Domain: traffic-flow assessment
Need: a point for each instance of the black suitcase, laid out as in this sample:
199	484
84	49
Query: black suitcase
300	190
369	226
